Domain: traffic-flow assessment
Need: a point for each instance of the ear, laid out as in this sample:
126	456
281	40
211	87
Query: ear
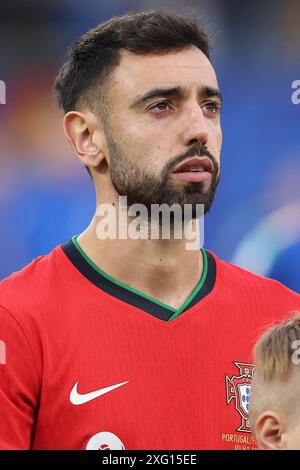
270	428
85	133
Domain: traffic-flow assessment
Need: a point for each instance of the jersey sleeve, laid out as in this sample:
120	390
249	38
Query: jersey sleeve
19	384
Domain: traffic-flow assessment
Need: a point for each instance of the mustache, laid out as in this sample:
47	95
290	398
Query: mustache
198	150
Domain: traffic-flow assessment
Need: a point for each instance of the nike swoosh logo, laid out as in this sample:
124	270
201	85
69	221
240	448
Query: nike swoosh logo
79	399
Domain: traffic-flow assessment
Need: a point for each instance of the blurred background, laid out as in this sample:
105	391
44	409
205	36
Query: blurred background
46	196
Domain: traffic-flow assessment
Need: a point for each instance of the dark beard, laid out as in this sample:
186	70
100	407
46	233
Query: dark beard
143	188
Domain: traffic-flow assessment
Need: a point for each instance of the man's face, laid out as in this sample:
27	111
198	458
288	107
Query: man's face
164	111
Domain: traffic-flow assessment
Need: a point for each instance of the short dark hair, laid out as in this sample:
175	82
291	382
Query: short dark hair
95	55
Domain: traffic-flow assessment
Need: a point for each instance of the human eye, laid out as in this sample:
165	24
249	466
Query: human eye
212	108
160	107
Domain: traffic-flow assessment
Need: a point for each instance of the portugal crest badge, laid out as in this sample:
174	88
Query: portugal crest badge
238	390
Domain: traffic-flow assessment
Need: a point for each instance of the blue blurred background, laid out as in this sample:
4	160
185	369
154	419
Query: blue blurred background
46	196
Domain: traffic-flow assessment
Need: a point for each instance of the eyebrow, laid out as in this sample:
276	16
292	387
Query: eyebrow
178	92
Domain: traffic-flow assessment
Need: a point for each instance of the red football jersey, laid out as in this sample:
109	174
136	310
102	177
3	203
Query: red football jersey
88	363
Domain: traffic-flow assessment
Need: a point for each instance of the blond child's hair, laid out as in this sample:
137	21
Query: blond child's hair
277	364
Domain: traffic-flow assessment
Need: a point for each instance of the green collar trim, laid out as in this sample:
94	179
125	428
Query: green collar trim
177	312
197	288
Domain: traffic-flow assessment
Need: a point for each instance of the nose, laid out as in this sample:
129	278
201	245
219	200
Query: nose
195	129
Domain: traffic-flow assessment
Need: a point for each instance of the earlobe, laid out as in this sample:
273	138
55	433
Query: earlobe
82	131
269	431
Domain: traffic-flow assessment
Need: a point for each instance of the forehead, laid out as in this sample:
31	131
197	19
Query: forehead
136	74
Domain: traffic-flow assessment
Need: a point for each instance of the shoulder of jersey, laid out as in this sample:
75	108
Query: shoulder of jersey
237	277
24	288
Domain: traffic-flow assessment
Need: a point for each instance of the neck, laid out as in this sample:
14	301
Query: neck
162	268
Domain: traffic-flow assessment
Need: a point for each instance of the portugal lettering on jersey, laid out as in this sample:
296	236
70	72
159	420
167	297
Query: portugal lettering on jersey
89	363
